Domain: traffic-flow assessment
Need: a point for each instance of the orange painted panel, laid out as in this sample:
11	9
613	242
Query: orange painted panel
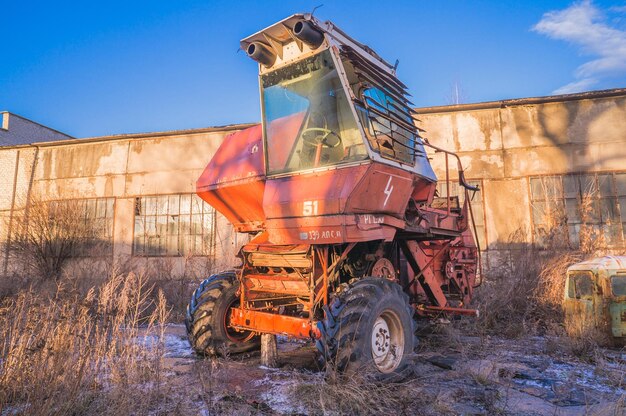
234	180
385	189
311	194
270	323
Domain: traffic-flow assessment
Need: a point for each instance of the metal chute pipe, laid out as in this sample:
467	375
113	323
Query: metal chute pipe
261	53
308	34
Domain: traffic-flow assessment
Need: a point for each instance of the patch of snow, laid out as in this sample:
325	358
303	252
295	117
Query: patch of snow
278	396
177	346
540	384
19	409
174	345
588	378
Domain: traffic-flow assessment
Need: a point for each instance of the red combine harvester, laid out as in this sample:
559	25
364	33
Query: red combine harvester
351	243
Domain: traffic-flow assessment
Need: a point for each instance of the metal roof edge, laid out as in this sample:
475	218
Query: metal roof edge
615	92
34	122
134	136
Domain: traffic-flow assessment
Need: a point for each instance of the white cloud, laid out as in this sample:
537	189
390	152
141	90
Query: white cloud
576	86
586	26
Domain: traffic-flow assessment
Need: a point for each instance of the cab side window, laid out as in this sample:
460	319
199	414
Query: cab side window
618	285
580	286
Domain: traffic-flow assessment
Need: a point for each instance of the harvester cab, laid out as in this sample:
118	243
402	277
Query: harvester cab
351	243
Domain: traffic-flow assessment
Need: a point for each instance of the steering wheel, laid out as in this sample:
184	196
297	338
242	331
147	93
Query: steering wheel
315	136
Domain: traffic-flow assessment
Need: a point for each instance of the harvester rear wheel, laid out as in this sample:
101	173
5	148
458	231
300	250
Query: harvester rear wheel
369	329
208	315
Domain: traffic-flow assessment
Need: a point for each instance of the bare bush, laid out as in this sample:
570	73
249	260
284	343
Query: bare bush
47	234
505	299
526	296
82	354
176	279
549	289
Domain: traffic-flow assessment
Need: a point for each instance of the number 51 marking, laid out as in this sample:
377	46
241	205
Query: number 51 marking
309	208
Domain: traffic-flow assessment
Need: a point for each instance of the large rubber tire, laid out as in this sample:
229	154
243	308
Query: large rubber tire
351	324
207	318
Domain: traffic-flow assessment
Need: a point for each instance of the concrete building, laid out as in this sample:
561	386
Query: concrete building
537	158
531	157
139	188
15	130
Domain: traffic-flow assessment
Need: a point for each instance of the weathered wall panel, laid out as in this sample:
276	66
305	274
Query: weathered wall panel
504	143
8	161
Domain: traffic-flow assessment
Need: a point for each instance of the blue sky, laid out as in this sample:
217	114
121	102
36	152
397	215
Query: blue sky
98	68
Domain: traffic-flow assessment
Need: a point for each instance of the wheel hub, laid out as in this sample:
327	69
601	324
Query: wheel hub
387	341
380	338
384	268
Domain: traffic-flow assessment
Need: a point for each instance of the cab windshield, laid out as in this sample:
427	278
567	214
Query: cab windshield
307	118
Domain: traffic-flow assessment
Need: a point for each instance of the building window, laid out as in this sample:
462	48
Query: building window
173	225
477	206
93	224
564	206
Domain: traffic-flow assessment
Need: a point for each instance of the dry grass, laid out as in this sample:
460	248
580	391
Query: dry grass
74	354
53	243
359	396
525	298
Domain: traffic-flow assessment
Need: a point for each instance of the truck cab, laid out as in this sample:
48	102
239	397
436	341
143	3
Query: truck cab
595	299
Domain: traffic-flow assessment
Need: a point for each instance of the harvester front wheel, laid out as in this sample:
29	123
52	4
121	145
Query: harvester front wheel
208	315
369	329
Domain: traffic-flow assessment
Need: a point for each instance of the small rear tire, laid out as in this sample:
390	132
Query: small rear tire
368	329
208	315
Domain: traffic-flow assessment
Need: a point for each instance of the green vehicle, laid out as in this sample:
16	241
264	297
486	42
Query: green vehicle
595	299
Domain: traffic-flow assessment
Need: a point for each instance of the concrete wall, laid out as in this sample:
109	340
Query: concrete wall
16	130
501	144
504	143
121	167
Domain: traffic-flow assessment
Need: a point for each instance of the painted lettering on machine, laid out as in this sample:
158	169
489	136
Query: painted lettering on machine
371	219
315	235
309	208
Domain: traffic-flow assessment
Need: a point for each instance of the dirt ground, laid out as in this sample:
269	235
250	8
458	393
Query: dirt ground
466	376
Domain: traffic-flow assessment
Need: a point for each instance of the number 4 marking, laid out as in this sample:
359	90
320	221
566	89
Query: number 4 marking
388	191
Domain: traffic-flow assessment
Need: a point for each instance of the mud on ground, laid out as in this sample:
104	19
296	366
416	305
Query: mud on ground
465	375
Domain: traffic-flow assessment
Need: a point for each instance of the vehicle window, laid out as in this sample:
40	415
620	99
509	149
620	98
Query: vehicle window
388	137
308	119
580	286
618	285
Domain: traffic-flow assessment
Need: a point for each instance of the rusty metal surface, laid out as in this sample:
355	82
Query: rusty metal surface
384	268
438	310
594	301
324	225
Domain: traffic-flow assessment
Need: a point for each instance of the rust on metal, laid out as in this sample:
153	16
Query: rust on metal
437	310
594	301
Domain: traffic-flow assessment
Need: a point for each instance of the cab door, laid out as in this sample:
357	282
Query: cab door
617	305
579	303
